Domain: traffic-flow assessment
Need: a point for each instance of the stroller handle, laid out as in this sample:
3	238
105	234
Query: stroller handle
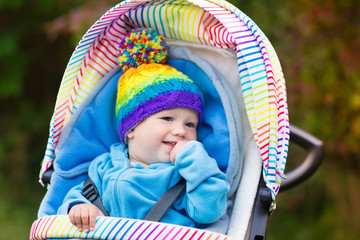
315	154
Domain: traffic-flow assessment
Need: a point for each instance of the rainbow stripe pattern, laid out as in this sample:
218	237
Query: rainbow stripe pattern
117	228
210	22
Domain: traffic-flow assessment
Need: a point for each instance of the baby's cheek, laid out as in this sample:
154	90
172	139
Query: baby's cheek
193	136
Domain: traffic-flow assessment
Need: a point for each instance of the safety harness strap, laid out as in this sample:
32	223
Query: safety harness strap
166	201
156	213
91	193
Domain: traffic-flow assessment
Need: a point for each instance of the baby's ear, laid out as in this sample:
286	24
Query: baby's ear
130	134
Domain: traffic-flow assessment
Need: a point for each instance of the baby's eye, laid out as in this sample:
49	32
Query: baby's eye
169	119
190	125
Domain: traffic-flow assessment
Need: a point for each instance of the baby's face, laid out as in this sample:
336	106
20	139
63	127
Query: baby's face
152	140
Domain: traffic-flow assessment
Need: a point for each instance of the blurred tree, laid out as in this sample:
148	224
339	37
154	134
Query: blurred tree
31	66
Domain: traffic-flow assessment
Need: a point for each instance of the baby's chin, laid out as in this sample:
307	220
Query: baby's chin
167	160
148	163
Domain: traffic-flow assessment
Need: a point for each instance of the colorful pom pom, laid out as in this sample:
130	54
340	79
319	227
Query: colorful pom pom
142	46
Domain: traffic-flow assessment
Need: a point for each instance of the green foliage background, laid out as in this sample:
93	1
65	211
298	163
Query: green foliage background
318	44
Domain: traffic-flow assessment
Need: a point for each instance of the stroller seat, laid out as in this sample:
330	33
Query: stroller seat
245	126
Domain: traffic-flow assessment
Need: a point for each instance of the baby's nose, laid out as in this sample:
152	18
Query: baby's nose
179	130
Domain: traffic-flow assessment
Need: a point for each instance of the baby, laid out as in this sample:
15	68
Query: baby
158	109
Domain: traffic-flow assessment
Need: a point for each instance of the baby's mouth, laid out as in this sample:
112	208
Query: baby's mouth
170	144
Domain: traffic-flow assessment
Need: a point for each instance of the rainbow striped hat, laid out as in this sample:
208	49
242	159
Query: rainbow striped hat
148	85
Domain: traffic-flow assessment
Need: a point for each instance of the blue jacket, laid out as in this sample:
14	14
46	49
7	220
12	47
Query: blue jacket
131	192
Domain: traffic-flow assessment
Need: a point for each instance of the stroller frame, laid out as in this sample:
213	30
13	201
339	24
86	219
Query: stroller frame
270	128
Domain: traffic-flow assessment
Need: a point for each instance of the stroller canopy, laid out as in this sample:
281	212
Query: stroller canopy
214	23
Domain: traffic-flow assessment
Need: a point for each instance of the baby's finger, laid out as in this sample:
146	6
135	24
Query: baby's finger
85	219
75	218
99	213
72	217
176	149
172	157
92	216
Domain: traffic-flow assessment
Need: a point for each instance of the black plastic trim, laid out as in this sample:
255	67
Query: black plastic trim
261	212
46	177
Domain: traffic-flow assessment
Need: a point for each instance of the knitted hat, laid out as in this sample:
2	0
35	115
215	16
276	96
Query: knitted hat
148	85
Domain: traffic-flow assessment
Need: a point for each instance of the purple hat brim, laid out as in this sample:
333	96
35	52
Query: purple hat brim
159	103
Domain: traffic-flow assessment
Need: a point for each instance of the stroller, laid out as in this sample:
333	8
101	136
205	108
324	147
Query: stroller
245	127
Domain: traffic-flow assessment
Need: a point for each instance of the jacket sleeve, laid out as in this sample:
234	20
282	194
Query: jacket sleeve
96	171
72	198
100	171
206	185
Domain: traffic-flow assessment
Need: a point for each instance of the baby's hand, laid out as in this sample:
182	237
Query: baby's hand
176	149
83	216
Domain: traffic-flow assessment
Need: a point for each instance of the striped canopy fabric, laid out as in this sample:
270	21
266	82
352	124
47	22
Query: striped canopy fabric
210	22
